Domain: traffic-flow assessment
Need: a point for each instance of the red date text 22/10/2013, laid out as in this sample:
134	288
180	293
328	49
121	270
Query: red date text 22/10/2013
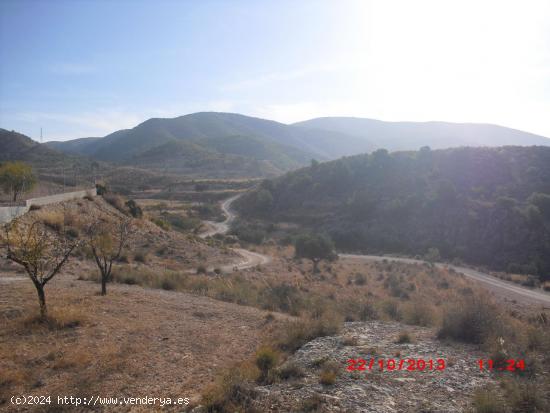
408	364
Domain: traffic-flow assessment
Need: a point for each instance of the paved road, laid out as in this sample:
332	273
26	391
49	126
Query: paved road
252	259
521	293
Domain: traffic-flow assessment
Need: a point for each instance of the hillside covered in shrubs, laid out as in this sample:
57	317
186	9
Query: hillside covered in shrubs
487	206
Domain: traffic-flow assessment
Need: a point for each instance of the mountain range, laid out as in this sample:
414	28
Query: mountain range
216	144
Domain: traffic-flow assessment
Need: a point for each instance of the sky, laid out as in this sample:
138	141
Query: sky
88	68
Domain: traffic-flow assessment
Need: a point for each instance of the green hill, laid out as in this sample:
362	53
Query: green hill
487	206
270	146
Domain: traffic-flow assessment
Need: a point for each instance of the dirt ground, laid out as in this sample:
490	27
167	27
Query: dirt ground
134	342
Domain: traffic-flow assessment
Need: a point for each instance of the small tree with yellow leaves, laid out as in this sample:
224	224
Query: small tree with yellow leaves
107	240
41	251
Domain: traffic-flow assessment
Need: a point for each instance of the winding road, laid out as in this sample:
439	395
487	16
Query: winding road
249	258
507	289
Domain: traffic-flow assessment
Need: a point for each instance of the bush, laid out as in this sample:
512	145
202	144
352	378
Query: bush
233	392
201	269
249	233
53	220
115	201
360	279
101	189
312	404
161	223
404	338
134	209
524	397
471	321
290	371
327	378
349	341
300	332
266	360
418	313
180	222
485	402
140	257
283	297
329	373
72	233
391	308
168	285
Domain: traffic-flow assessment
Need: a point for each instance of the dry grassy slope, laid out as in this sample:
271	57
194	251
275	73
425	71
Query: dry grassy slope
163	249
133	342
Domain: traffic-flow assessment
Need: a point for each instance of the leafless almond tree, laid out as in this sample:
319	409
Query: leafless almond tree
107	240
41	251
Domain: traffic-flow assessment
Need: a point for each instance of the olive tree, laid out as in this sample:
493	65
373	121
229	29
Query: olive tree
41	251
314	247
16	178
107	239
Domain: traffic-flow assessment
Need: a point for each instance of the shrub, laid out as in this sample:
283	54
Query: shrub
134	208
115	201
283	297
360	279
249	233
404	338
180	222
312	404
485	402
391	308
53	220
327	378
72	232
329	373
367	311
290	371
349	341
140	256
300	332
266	360
168	285
161	223
471	321
201	269
524	397
233	392
418	313
101	189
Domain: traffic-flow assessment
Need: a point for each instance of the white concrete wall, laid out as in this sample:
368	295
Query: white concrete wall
52	199
11	212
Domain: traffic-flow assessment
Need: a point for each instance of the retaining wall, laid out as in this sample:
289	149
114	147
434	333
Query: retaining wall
11	212
52	199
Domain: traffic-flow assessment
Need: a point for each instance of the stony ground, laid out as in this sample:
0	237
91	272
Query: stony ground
376	391
134	342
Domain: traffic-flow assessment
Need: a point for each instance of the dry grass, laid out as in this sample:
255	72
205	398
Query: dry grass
52	219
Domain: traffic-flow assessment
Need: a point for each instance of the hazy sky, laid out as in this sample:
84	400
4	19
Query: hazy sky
88	68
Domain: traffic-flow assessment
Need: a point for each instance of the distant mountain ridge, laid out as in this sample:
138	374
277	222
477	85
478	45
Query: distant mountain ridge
396	136
220	144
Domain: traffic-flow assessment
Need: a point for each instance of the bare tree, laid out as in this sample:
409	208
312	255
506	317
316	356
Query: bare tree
107	240
40	251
